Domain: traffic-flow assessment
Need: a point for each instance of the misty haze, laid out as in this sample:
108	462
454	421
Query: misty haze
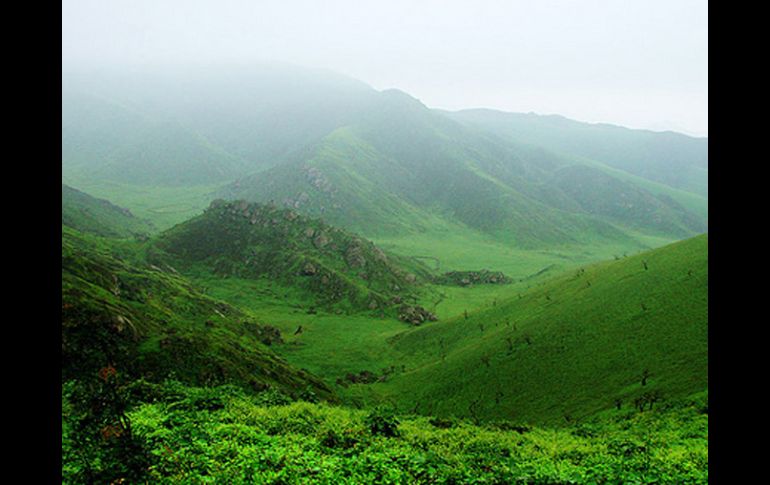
358	242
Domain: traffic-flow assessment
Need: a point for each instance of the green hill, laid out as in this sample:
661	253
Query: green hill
377	163
328	267
98	216
625	330
601	194
670	158
307	231
188	125
149	322
406	169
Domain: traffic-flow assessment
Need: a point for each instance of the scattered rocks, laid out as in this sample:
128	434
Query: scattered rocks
267	334
363	377
415	314
379	255
468	278
318	179
309	269
321	240
354	256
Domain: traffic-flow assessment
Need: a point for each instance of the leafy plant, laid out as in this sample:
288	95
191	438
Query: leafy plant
382	421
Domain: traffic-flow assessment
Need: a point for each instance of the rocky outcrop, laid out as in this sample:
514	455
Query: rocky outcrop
415	314
267	334
321	240
354	256
468	278
309	269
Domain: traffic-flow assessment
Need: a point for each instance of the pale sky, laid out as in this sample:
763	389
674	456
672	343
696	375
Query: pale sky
636	63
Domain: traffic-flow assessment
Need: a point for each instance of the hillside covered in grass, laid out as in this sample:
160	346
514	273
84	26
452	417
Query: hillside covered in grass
596	375
302	279
405	168
670	158
614	334
98	216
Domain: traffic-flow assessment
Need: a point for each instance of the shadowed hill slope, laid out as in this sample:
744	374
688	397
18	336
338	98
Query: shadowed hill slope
147	321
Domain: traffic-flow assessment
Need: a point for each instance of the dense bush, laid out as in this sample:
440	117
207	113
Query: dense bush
222	435
382	420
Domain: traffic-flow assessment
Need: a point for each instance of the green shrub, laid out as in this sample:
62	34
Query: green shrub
272	397
382	421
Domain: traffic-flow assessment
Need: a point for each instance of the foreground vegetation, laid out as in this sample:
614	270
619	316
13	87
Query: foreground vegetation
182	434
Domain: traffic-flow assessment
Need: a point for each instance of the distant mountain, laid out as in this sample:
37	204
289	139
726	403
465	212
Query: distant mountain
331	267
405	165
198	125
670	158
98	216
380	163
148	321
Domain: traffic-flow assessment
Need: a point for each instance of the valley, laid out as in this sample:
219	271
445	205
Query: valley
450	297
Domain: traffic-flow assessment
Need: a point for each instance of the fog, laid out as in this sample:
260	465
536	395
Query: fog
641	64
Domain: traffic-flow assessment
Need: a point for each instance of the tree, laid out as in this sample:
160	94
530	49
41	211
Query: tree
645	376
100	430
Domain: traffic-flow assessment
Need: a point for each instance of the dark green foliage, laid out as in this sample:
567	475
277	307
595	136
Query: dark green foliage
102	446
382	421
152	323
244	442
272	397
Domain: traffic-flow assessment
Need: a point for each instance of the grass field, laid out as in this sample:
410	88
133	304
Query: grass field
163	206
502	353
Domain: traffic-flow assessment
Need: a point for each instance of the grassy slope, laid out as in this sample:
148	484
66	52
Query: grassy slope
588	345
162	206
669	158
697	204
151	322
101	217
598	338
